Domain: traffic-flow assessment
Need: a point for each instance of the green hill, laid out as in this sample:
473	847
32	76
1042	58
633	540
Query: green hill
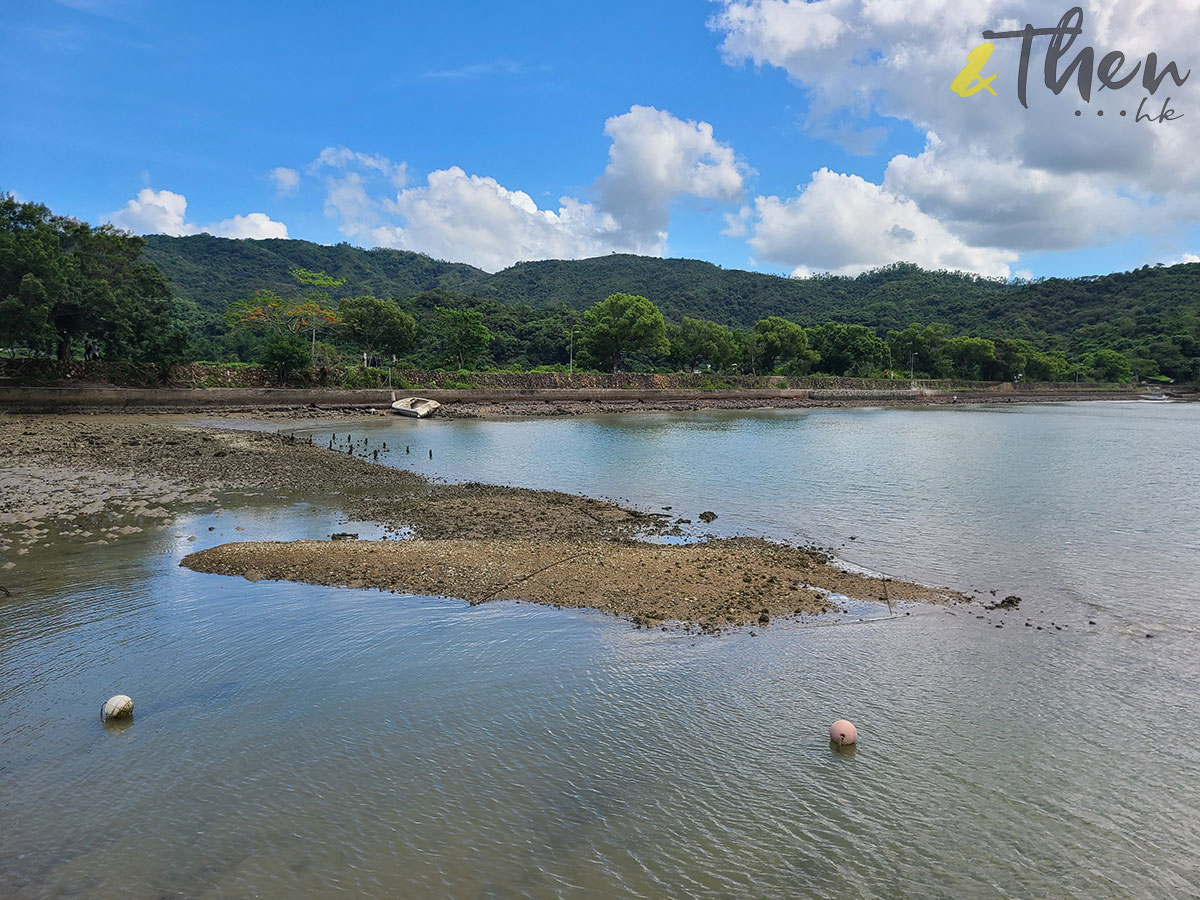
213	272
1148	314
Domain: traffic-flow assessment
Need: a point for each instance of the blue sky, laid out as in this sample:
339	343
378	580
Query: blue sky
718	116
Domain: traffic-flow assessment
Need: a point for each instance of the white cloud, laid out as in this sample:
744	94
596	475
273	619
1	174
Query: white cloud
345	158
846	225
346	197
738	223
252	225
154	212
478	70
477	220
165	212
1006	203
993	173
654	159
286	180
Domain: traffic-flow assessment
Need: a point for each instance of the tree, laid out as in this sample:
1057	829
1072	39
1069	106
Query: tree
921	349
25	316
848	349
624	323
283	317
285	355
378	324
698	341
60	277
316	303
463	333
778	343
1012	360
973	358
277	316
1109	365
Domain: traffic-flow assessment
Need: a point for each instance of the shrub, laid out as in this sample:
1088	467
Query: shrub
287	357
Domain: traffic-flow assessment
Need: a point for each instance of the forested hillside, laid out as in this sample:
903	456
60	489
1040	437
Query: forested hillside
68	289
214	272
1151	315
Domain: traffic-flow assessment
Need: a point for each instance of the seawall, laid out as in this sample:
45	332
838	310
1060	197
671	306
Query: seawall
107	398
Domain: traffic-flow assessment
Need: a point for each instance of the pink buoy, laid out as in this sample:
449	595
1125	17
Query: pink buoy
843	732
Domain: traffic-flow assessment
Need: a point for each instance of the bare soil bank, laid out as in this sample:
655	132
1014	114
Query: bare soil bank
473	541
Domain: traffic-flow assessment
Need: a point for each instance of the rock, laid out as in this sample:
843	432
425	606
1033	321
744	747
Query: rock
1012	601
707	516
344	536
118	707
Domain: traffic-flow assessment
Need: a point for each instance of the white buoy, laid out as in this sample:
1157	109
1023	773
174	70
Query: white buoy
118	707
843	733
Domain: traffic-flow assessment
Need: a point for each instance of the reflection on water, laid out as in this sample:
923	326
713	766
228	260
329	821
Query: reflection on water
300	741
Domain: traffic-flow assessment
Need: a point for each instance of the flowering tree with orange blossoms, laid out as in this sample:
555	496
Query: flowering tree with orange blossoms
286	317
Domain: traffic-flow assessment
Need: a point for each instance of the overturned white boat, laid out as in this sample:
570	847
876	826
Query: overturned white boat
417	407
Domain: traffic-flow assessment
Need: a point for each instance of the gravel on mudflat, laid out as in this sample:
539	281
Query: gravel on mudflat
714	584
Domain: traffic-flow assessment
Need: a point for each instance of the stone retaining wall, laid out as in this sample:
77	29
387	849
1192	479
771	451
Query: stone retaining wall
48	372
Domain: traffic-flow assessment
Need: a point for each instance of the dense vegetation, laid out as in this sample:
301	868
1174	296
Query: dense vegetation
1150	316
63	282
296	304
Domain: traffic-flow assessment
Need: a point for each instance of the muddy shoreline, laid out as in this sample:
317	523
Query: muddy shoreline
476	542
497	403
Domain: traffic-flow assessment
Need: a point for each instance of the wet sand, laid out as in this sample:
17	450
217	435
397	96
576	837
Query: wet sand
88	477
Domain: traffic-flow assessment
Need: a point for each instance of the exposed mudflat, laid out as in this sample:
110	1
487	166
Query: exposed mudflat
717	583
93	479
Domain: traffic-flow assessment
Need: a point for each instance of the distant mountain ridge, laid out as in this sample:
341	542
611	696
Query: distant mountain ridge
1130	307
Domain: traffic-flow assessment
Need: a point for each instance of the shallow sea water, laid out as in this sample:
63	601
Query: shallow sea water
301	741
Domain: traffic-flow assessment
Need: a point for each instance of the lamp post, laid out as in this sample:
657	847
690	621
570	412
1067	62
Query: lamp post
911	357
571	370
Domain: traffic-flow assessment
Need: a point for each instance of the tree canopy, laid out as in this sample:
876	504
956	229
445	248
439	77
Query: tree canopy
778	343
848	349
463	334
377	324
623	323
62	281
